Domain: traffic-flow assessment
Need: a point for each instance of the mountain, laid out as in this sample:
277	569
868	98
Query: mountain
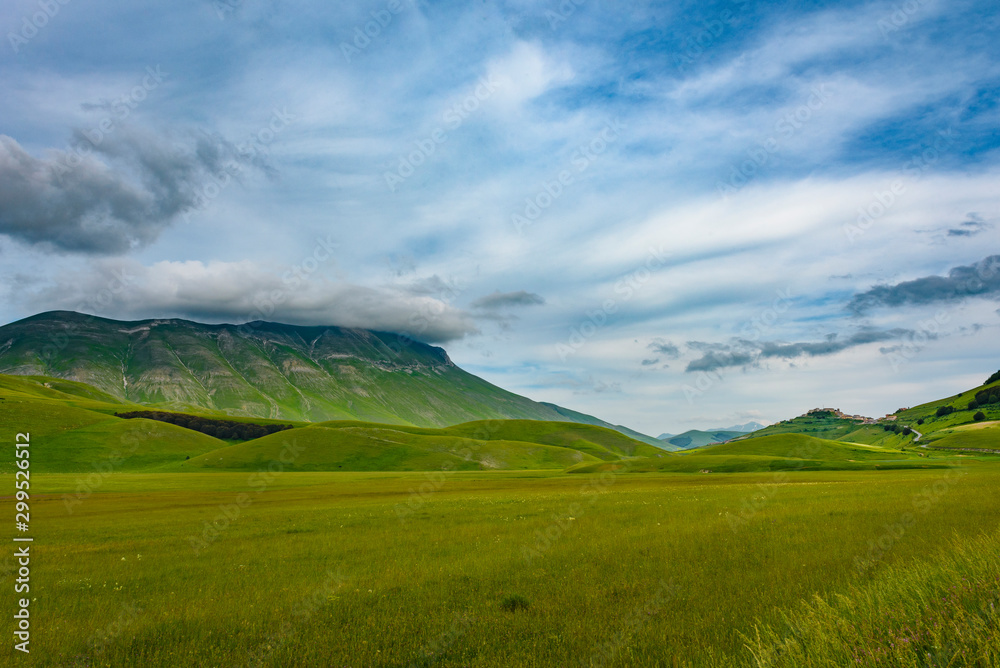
744	428
664	436
266	370
695	438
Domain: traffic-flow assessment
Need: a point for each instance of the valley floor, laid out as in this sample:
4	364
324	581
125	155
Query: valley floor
516	568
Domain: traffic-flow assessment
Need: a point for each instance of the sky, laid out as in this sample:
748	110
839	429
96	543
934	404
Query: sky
668	215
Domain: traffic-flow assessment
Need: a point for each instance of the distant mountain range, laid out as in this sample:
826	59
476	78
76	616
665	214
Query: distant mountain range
745	428
696	438
268	370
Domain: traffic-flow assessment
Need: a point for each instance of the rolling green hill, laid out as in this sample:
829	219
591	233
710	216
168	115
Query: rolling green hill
935	420
369	447
778	452
265	370
74	428
484	445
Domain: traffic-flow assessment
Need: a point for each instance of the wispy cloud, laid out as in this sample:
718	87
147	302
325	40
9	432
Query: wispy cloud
502	300
742	353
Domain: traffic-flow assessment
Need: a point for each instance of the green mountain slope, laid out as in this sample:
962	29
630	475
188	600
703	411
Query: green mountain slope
264	370
956	411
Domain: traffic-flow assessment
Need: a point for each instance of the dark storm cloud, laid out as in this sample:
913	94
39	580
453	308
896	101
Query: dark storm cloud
108	196
971	227
976	280
746	353
499	300
665	348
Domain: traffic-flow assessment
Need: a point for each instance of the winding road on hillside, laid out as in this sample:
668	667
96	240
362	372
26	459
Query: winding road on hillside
992	452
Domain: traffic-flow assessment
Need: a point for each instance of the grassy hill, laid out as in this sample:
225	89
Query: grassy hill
976	436
265	370
778	452
360	446
74	429
368	447
925	418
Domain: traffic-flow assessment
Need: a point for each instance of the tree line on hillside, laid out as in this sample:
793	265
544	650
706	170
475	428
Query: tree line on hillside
990	396
224	429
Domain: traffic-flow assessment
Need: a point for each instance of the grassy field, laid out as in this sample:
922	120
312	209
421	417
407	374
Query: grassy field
499	543
503	568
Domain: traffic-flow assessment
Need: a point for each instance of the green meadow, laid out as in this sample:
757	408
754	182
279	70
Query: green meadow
513	569
497	543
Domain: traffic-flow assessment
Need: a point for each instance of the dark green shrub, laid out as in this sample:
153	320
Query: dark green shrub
979	417
944	410
514	602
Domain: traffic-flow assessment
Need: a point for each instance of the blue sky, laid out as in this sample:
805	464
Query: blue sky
669	215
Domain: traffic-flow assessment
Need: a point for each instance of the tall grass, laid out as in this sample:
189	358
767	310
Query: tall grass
939	611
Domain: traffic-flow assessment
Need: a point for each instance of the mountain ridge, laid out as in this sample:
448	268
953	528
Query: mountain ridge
267	370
